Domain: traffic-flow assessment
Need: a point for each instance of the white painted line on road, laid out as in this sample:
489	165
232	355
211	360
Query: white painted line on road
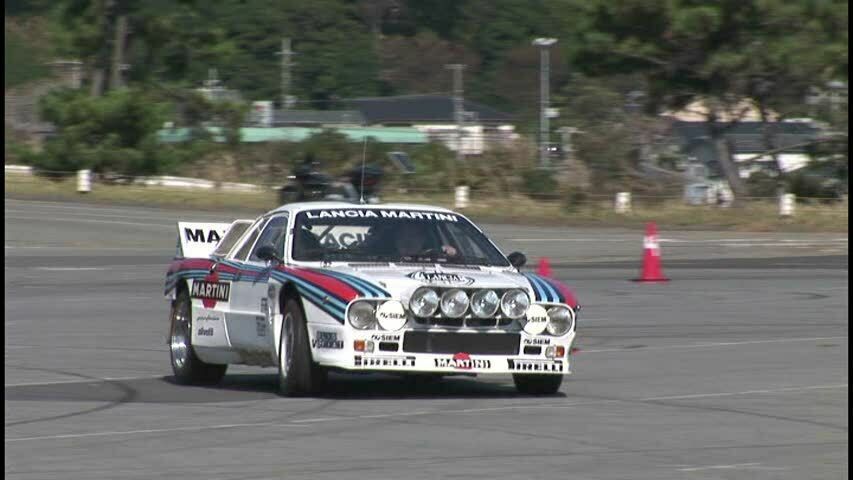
108	267
720	241
67	269
80	220
322	419
305	422
80	380
75	247
596	240
775	244
717	344
129	210
719	467
460	411
82	214
747	392
153	430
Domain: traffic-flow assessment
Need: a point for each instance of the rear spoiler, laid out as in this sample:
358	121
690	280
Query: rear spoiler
198	240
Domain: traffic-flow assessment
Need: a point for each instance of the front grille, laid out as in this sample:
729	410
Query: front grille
452	342
470	322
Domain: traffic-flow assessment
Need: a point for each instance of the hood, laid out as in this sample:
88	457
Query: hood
401	281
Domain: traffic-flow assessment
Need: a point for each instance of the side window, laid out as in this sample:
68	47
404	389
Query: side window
273	234
238	228
250	241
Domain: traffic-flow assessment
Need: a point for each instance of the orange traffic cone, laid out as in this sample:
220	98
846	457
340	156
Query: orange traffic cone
545	268
651	271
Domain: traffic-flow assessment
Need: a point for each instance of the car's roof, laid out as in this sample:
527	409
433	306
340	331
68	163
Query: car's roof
301	206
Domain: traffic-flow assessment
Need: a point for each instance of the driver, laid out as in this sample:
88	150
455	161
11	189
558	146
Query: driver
411	240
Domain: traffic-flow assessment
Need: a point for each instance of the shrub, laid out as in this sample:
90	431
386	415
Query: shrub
540	184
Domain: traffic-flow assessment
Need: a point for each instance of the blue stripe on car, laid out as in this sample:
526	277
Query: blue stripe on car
359	284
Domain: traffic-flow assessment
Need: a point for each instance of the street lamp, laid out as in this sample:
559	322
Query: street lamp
543	44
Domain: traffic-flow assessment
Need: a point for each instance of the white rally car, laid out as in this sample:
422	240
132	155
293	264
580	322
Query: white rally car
319	286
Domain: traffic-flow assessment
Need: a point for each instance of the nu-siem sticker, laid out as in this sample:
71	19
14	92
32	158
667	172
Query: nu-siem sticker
211	290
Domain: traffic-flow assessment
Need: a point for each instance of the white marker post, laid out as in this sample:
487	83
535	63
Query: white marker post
786	205
462	197
84	181
623	202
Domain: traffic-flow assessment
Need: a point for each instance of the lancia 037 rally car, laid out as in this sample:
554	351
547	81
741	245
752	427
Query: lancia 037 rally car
406	289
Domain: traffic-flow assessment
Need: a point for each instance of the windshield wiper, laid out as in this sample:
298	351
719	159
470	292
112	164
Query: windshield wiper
472	261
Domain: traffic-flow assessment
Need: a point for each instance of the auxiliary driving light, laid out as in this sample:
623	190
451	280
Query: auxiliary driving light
485	303
514	303
454	303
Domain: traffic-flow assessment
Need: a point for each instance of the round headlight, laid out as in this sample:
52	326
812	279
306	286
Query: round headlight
424	302
514	303
485	303
391	316
454	303
362	315
560	321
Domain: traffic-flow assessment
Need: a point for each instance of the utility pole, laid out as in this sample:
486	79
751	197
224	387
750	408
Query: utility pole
544	73
118	66
458	108
285	53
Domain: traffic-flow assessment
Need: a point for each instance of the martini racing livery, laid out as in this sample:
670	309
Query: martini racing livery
405	289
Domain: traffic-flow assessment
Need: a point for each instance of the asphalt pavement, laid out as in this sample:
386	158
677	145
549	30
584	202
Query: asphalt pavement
736	368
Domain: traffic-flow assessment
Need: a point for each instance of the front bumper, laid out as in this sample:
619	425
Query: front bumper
442	351
475	364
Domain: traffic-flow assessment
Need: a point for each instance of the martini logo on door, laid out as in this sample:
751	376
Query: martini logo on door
443	278
211	290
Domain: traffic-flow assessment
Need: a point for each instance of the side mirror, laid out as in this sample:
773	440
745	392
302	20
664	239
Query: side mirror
517	259
267	253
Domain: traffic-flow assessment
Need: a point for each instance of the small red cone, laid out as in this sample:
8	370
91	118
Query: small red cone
545	268
651	271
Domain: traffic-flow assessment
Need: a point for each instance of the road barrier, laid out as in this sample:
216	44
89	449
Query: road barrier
462	197
786	204
84	181
623	202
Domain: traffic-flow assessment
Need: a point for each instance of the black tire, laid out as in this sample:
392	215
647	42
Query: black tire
297	373
532	384
187	367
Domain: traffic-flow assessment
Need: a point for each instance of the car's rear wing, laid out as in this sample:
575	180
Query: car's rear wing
201	239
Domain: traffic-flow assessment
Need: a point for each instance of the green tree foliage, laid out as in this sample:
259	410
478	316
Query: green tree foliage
723	53
23	62
771	52
114	133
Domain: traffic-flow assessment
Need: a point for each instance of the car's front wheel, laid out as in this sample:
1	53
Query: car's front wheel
297	372
533	384
187	367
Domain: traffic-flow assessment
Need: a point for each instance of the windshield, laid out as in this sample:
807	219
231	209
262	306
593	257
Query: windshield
379	235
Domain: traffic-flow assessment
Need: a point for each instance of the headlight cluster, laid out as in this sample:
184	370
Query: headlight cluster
389	315
454	303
